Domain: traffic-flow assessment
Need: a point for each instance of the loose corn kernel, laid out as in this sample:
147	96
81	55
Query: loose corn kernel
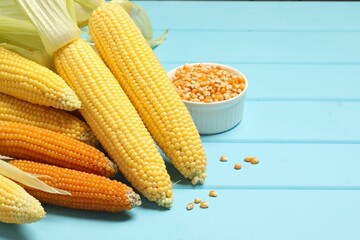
207	83
204	205
223	158
197	200
189	206
254	161
237	166
248	159
213	193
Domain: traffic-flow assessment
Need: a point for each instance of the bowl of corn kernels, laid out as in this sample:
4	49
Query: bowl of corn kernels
213	93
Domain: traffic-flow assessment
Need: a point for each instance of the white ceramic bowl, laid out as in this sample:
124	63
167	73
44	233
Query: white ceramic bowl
216	117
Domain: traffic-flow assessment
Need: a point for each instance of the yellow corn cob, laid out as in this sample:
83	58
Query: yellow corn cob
25	141
114	121
16	110
145	82
29	81
16	205
88	191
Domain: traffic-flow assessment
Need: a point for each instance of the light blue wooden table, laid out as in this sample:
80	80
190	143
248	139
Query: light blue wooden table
302	115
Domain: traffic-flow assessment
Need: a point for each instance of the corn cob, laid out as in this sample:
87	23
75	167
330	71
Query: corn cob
139	72
16	110
115	121
88	191
20	140
16	205
34	83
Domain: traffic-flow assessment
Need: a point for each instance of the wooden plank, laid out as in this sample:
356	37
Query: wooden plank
299	81
254	16
282	166
299	122
270	214
261	47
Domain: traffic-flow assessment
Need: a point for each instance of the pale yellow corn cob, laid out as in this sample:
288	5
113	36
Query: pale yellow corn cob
16	205
29	81
114	121
134	64
16	110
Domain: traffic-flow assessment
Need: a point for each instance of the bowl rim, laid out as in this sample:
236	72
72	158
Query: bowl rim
234	70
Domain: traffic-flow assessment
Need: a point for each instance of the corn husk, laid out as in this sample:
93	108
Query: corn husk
9	171
19	34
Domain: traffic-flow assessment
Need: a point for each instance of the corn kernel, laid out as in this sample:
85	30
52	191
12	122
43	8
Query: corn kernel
237	166
213	193
224	158
189	206
204	205
254	161
248	159
197	200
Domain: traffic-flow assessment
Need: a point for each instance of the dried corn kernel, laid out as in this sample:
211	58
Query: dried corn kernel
248	159
197	200
204	205
213	193
207	83
237	166
254	161
189	206
223	158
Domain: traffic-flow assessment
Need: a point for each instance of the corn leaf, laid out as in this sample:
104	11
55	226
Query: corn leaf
20	35
9	8
19	32
90	4
51	17
70	6
82	14
14	173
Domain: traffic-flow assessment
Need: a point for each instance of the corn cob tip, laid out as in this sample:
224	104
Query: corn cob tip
198	179
112	168
134	198
164	201
88	137
68	100
16	205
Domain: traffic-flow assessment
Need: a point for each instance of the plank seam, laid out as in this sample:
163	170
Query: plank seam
207	139
270	99
270	188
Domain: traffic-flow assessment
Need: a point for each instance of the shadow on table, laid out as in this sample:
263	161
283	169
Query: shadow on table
88	215
12	232
175	175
